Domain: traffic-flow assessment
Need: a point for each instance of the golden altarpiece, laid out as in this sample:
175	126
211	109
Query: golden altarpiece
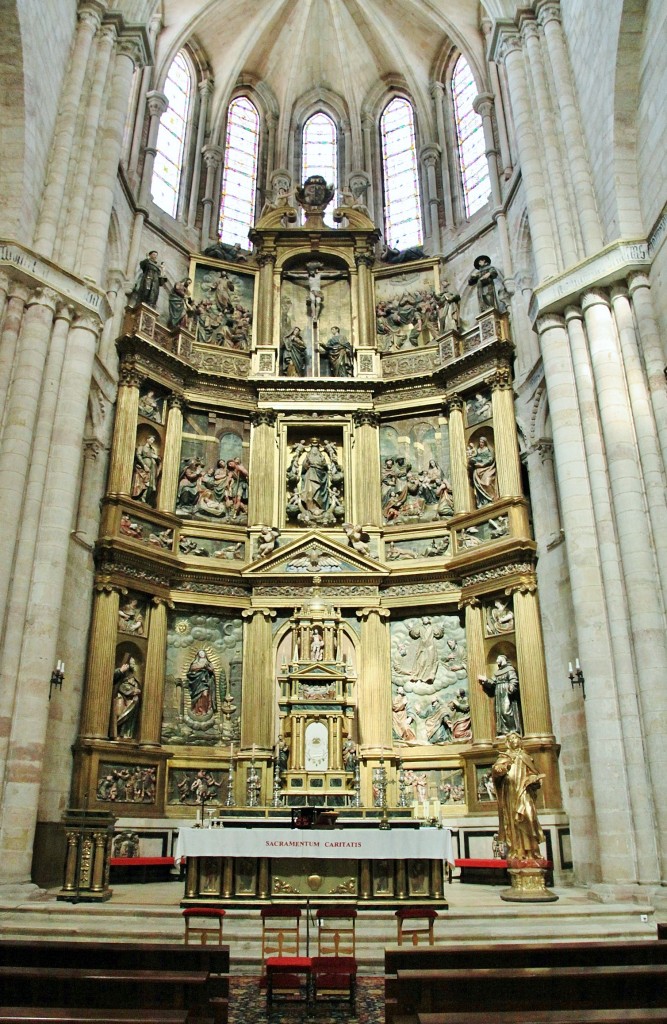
315	562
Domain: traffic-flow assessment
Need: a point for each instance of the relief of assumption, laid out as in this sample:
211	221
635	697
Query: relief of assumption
430	704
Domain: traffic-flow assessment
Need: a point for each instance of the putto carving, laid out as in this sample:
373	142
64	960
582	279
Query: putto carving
315	482
267	541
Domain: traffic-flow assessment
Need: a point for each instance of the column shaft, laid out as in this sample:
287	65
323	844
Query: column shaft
481	708
503	137
205	87
125	432
373	688
504	430
212	159
262	469
96	709
653	353
171	456
437	92
257	710
9	336
531	669
157	104
367	469
366	336
152	697
459	462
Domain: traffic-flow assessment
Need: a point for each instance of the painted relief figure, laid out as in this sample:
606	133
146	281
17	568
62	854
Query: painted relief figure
150	407
147	465
294	354
130	618
315	481
414	478
429	675
224	302
339	354
201	684
214	479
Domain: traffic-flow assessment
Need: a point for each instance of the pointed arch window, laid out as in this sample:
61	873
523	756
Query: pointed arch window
239	176
319	151
470	136
400	177
171	136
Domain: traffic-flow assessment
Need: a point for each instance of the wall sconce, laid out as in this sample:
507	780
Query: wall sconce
57	677
576	677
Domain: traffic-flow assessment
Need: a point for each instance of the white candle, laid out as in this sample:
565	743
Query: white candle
425	808
576	662
570	669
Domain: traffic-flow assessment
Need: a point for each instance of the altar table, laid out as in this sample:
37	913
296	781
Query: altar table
260	865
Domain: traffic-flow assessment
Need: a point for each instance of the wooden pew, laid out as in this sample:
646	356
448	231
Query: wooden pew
169	956
626	1016
522	989
103	988
71	1015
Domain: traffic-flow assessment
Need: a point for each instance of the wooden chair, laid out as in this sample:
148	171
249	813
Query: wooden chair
336	931
286	973
334	977
202	922
414	922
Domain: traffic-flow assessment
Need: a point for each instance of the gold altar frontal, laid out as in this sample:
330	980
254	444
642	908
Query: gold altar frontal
371	881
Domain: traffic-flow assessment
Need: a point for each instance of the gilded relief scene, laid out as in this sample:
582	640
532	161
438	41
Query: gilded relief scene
408	550
195	786
411	310
315	482
202	701
428	790
415	471
223	300
145	531
125	784
316	319
429	684
212	547
213	479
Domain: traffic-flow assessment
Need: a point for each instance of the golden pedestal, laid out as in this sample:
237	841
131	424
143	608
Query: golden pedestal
89	837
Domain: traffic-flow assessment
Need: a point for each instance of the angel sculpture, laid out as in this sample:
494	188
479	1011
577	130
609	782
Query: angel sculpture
267	541
358	539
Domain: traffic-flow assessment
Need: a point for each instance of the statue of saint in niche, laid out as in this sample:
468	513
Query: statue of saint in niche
482	463
200	679
294	355
125	701
485	276
146	471
504	688
315	480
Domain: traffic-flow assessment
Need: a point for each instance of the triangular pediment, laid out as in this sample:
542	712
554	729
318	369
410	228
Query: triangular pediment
314	555
314	672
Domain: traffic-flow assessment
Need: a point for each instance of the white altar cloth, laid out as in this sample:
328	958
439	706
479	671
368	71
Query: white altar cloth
325	844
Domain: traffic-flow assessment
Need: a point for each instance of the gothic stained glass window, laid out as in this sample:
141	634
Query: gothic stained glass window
402	206
239	176
170	144
319	151
470	135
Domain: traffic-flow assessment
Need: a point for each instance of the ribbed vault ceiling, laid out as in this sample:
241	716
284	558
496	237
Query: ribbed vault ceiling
301	47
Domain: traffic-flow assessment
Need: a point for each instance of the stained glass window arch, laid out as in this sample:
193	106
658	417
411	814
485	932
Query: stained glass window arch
400	175
239	175
319	151
171	136
470	138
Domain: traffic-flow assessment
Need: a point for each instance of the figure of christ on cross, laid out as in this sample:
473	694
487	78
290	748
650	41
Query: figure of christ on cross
314	279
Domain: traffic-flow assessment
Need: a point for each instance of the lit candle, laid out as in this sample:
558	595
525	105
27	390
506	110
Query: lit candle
425	808
578	666
570	669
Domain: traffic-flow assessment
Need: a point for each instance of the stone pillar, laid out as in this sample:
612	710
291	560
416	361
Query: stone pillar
346	133
262	469
653	350
374	685
205	90
67	242
367	468
212	158
534	688
157	104
438	94
483	105
271	122
152	698
20	420
544	496
481	708
457	455
548	13
552	152
266	261
125	431
367	129
68	110
17	296
366	334
529	154
503	138
106	168
171	461
504	430
429	156
259	698
615	804
98	692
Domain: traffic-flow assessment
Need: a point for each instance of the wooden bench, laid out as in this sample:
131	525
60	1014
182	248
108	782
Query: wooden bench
71	1015
524	989
157	956
141	869
476	870
102	988
652	1015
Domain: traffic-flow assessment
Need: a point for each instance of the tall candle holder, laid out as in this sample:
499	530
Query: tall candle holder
381	782
230	802
357	786
402	802
253	785
277	796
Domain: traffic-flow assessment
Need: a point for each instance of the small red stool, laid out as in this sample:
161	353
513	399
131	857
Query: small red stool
334	976
288	976
410	924
203	921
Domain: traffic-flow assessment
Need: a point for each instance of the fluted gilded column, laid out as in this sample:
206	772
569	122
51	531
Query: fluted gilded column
457	454
262	469
530	665
68	110
267	261
96	710
125	431
171	460
212	158
481	710
364	262
367	468
258	707
438	94
152	698
71	215
549	17
157	104
205	89
505	436
374	684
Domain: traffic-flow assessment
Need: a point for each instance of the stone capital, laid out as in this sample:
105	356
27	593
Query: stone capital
205	87
500	379
91	12
129	375
212	155
525	585
364	259
87	322
548	10
430	154
594	297
250	613
42	296
263	418
175	401
454	404
130	47
483	104
528	27
549	322
365	418
638	279
365	613
545	449
92	448
508	44
264	258
156	102
64	311
437	89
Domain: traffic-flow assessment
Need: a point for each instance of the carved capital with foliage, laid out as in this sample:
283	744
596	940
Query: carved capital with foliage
365	418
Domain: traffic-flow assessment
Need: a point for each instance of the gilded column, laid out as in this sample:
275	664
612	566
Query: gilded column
457	452
481	711
212	158
504	429
152	697
101	660
367	468
266	261
530	665
262	469
157	104
257	715
125	432
364	261
172	455
374	686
